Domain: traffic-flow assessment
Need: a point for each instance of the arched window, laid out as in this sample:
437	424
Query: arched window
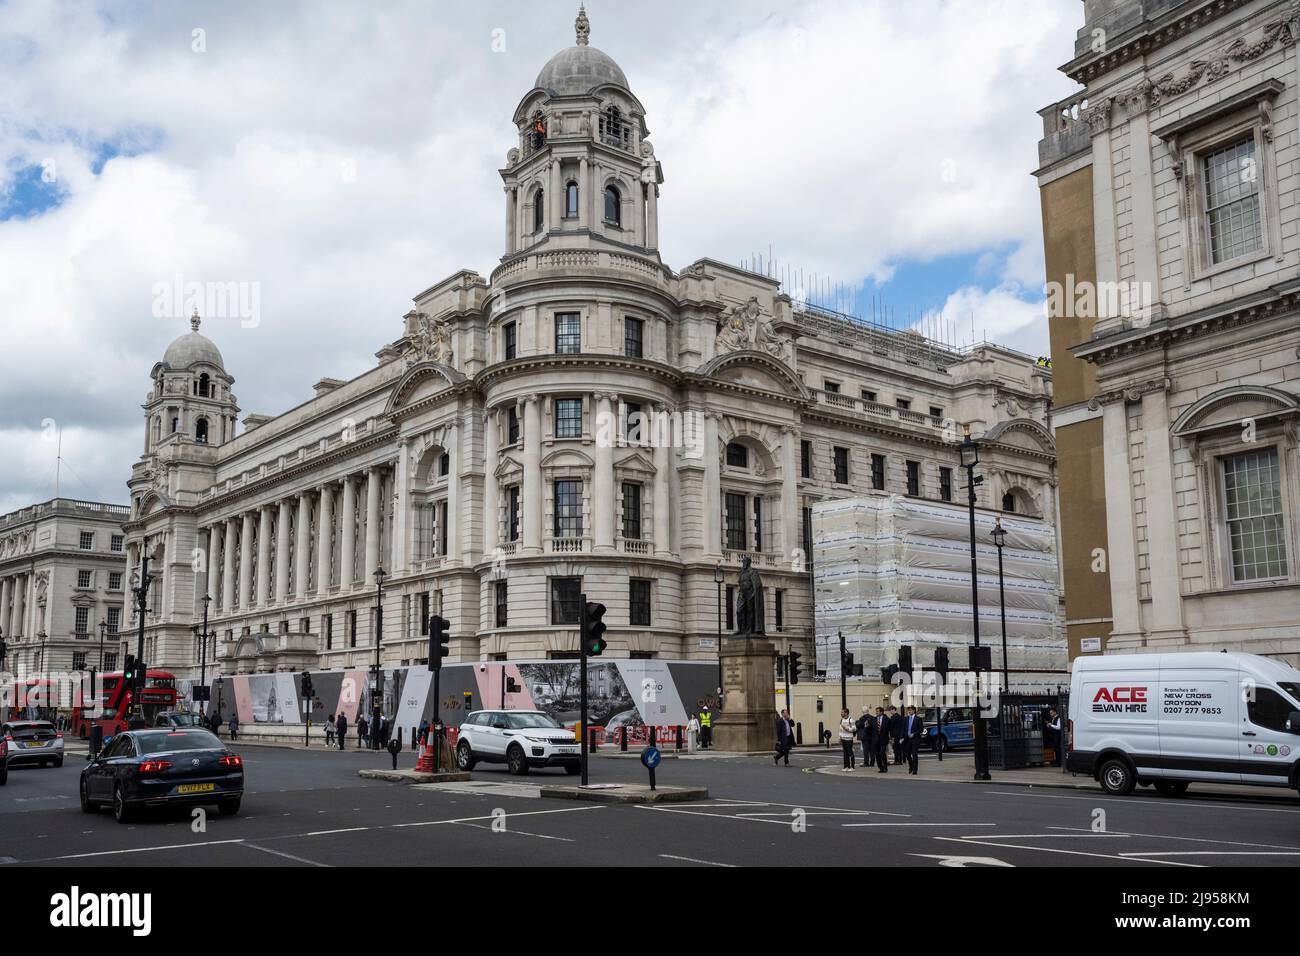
201	431
571	200
539	210
205	385
1009	503
737	455
613	205
613	131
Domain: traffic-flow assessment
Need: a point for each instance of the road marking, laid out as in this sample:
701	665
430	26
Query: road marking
540	836
1150	801
141	849
329	832
522	813
918	825
287	856
1218	853
1047	849
961	861
690	859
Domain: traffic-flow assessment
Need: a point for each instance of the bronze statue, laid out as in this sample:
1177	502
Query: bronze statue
749	601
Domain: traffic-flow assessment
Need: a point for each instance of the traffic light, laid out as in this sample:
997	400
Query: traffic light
4	651
439	628
887	674
792	668
846	662
981	658
307	689
593	629
129	674
941	661
905	658
512	686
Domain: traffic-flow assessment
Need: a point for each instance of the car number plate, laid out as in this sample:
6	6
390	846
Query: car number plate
34	743
567	750
196	788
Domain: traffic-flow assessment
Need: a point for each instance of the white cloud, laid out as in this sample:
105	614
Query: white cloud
997	315
851	136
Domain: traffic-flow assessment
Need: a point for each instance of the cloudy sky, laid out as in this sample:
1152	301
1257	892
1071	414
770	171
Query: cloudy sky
336	158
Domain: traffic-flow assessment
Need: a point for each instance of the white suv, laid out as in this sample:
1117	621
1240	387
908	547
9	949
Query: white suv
521	739
33	741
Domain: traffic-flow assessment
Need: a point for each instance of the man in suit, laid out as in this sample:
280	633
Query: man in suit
341	727
880	737
913	730
784	738
866	734
897	731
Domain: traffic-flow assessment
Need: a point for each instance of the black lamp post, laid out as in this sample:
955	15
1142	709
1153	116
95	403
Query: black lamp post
103	629
1000	539
203	654
140	589
717	579
376	694
970	457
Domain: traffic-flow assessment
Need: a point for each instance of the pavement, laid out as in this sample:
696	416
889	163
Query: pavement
311	808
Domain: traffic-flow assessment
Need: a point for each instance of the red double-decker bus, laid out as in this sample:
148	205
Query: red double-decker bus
159	694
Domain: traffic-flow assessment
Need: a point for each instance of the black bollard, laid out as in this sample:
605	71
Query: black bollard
622	738
679	736
798	734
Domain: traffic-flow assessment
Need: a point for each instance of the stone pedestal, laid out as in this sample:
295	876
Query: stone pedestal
747	723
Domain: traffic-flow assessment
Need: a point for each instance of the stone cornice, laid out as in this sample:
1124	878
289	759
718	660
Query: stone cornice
1130	393
584	360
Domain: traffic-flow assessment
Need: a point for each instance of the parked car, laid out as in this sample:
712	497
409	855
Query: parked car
958	728
33	741
4	761
521	739
156	768
1172	719
178	718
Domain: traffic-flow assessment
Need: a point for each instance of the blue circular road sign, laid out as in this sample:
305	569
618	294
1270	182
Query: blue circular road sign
650	757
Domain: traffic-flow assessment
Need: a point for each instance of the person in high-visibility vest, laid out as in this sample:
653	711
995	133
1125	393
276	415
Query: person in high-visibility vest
706	727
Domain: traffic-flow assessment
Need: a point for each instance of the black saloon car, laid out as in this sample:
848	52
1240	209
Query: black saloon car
160	768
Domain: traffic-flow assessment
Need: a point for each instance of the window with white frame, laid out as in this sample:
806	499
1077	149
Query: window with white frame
568	418
115	544
115	580
568	508
568	333
1252	493
85	578
1232	213
87	540
114	619
83	621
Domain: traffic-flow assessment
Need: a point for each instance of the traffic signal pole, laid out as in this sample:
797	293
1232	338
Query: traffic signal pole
844	679
582	679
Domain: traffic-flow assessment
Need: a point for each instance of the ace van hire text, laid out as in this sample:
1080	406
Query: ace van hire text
1120	700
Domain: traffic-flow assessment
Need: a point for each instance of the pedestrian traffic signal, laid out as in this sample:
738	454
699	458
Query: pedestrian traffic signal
439	635
792	668
593	628
306	687
941	661
905	658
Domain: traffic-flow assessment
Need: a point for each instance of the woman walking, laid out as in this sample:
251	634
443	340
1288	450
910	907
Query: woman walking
847	728
329	731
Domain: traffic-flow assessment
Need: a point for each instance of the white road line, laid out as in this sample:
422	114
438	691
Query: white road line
1218	853
140	849
287	856
526	813
1046	849
329	832
790	806
918	824
540	836
689	859
1163	836
1149	801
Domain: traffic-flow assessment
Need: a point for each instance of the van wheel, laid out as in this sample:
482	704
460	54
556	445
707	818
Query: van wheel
1171	788
1117	778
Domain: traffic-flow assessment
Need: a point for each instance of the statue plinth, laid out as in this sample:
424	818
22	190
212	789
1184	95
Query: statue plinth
747	723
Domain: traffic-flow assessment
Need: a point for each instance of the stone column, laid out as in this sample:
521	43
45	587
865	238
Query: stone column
20	605
652	216
324	539
510	220
401	520
662	491
712	487
373	479
455	520
246	561
347	560
214	560
790	492
1167	626
282	554
490	491
584	194
226	599
602	479
532	505
302	546
6	592
1126	626
263	555
557	197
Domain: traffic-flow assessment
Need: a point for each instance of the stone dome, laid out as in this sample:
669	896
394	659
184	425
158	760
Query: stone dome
193	349
581	67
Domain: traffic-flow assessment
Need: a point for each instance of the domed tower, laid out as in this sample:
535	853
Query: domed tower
191	396
584	173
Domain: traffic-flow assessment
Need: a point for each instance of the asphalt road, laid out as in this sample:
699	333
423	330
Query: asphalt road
309	808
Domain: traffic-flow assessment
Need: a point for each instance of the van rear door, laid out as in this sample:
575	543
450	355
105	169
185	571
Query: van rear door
1198	709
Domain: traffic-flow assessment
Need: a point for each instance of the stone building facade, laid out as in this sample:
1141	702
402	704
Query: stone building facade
582	420
1186	133
62	574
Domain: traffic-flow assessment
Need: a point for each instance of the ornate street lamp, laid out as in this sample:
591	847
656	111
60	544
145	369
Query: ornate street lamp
717	579
1000	539
377	690
203	654
970	457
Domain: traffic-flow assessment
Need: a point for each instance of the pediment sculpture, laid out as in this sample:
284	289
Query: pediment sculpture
430	342
745	327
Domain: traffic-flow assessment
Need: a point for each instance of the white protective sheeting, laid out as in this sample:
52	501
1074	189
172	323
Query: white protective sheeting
890	571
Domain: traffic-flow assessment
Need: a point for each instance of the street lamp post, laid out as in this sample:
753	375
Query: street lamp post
377	691
140	589
969	459
203	655
717	579
1000	539
103	629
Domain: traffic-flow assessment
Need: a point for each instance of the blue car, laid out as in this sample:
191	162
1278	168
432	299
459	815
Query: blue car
160	768
958	728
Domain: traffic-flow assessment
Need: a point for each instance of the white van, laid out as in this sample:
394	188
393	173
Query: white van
1169	719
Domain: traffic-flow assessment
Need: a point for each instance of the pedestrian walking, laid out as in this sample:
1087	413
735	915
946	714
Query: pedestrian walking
897	731
865	725
784	738
341	730
214	723
881	739
329	731
914	729
847	730
706	727
1054	735
363	732
234	726
692	734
